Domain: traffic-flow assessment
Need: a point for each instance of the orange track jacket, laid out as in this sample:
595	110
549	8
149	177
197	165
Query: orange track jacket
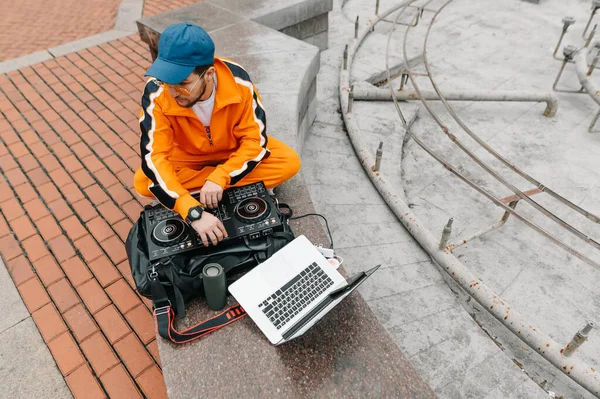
236	141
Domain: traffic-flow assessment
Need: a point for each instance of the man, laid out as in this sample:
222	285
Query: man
203	128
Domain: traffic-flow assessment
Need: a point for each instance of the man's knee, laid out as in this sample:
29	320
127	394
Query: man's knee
291	165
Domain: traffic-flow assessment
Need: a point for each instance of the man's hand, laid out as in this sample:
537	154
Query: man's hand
210	194
209	227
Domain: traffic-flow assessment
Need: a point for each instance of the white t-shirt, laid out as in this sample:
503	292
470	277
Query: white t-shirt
204	109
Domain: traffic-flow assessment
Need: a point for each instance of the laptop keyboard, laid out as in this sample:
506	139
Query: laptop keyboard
295	295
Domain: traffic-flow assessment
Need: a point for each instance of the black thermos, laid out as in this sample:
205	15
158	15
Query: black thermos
213	278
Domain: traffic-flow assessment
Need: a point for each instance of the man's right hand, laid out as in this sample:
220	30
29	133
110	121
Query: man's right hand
210	227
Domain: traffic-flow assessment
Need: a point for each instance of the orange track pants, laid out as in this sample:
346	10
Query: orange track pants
281	165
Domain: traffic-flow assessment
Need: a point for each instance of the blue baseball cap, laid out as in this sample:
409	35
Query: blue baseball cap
181	48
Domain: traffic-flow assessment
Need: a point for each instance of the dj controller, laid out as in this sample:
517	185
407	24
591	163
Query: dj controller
247	212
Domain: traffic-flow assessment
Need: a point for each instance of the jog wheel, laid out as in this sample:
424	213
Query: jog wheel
169	232
252	210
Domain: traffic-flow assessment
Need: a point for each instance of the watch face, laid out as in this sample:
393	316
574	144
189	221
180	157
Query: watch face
194	213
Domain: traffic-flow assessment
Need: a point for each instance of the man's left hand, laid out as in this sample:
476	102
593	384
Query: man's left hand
210	194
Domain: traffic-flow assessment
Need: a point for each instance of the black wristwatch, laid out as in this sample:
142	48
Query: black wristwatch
195	213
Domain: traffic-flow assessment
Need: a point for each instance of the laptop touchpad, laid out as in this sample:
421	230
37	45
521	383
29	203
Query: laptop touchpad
278	276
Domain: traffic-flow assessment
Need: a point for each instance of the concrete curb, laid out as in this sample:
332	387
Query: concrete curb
129	12
87	42
26	60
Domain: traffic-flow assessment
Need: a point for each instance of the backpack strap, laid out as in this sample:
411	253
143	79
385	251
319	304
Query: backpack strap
164	316
179	302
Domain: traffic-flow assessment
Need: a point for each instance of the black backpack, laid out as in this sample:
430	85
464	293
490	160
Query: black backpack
180	276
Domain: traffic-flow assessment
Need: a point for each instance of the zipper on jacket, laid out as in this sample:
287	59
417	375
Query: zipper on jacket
207	128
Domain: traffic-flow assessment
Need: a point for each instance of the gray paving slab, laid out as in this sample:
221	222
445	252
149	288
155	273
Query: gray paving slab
472	48
553	289
10	300
276	14
129	12
532	364
20	62
396	310
485	378
211	17
251	38
27	369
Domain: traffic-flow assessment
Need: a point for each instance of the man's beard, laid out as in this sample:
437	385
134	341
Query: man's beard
191	104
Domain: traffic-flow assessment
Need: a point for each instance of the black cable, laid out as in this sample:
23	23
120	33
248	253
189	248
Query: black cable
326	224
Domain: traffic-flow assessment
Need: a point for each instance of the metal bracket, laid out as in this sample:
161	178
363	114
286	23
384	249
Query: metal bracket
568	52
591	127
595	7
567	21
512	202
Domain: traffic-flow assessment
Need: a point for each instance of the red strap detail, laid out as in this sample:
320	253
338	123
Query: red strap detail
166	329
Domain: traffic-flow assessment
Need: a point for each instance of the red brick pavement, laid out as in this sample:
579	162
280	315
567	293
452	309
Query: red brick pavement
153	7
34	25
68	151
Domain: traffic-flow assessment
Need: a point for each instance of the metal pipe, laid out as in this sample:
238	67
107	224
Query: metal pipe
416	21
368	93
580	372
423	8
581	68
578	339
446	234
493	152
403	78
595	7
493	227
568	52
567	21
589	39
512	202
591	127
378	155
350	98
593	64
573	230
583	73
346	57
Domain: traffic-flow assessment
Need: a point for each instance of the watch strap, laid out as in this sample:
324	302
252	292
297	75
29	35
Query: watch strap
194	213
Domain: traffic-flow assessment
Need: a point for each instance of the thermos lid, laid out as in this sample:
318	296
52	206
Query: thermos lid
211	271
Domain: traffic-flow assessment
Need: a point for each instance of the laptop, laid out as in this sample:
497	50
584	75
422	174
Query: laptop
292	290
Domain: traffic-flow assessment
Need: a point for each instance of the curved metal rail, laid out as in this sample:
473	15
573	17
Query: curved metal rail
583	72
582	69
579	371
489	149
579	234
